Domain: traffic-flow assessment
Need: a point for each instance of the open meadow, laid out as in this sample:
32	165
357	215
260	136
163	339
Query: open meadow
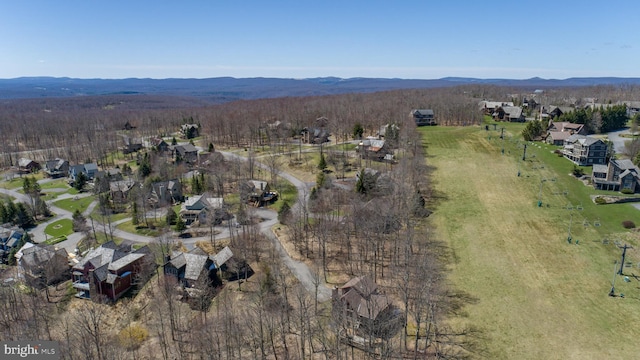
539	296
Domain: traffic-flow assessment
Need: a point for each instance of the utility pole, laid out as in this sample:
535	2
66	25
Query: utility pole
569	236
612	292
624	254
524	153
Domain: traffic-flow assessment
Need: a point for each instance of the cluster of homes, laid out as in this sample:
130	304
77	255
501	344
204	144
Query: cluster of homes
583	150
108	272
508	111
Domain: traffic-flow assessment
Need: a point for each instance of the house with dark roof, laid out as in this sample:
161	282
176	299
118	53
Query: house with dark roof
165	193
159	144
56	168
195	269
618	175
131	144
27	166
361	304
119	190
190	131
423	117
90	170
257	192
314	135
187	153
10	238
202	208
109	271
585	150
42	265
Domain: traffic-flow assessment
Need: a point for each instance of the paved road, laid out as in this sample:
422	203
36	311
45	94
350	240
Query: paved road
617	140
301	271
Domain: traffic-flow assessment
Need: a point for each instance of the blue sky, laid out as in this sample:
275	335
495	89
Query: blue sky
298	39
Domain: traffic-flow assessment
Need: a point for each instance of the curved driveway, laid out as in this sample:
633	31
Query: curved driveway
311	281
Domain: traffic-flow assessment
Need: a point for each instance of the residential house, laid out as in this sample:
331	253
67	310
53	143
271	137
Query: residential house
56	168
109	271
490	107
314	135
119	190
43	265
392	129
585	150
10	238
187	153
165	193
131	144
203	208
257	192
128	126
633	107
559	132
27	166
195	269
423	117
374	149
361	304
618	175
513	114
190	131
553	111
159	144
89	170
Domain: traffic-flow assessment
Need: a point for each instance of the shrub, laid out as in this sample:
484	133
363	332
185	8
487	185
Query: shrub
628	224
133	336
626	191
577	172
600	200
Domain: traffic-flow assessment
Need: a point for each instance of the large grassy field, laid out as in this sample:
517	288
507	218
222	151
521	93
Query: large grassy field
538	296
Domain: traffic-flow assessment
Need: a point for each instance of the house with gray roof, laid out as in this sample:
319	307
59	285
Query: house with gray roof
618	175
374	149
196	269
42	265
423	117
56	168
585	150
10	238
363	305
187	153
109	271
26	166
165	193
201	208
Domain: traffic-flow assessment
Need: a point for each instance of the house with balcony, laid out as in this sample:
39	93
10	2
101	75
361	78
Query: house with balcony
423	117
109	271
585	150
618	175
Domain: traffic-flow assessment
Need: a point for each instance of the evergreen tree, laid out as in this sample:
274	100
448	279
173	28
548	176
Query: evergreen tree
171	217
358	131
81	182
181	226
284	212
134	214
322	164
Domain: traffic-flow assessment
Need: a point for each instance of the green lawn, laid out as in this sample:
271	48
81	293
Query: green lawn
140	229
59	228
538	296
72	205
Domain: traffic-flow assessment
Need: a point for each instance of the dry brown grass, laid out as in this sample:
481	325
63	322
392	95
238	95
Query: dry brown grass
539	297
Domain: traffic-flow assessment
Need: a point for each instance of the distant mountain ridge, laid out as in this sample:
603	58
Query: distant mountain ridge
222	89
